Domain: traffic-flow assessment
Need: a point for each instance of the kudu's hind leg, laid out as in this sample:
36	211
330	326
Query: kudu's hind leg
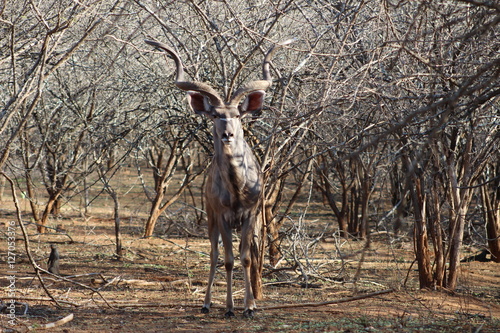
213	233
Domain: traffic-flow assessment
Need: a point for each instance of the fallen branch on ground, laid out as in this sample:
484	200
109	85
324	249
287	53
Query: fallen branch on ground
337	301
38	299
137	283
59	322
272	307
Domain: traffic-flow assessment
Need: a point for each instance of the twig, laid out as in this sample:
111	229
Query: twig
97	291
60	322
38	299
81	275
408	272
184	247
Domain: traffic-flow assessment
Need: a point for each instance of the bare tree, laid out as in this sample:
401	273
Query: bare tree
164	159
34	50
43	38
446	142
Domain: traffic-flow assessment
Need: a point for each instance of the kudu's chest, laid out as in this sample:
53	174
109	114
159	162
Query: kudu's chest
234	186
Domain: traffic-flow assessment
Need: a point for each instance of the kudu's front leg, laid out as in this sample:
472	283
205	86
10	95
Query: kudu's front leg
213	233
246	263
227	235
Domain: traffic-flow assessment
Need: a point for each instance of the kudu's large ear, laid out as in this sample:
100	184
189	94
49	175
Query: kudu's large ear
198	102
253	102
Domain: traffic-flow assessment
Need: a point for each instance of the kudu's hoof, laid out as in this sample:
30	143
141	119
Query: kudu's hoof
229	314
205	310
248	313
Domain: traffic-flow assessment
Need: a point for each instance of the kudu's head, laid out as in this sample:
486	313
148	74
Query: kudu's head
226	116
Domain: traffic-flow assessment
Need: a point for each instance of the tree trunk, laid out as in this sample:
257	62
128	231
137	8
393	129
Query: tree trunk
56	207
436	233
116	208
422	252
273	231
365	201
2	188
353	227
456	237
460	194
270	223
154	214
118	236
31	197
342	213
41	224
491	211
257	250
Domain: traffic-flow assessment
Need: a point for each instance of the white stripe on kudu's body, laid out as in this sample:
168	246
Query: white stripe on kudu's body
234	183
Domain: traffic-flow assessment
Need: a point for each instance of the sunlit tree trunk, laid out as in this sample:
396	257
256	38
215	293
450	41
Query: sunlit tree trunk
257	250
42	223
491	212
163	172
421	237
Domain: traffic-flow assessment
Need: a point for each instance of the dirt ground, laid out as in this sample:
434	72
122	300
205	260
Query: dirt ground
159	286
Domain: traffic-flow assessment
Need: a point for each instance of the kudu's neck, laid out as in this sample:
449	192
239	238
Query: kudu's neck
237	167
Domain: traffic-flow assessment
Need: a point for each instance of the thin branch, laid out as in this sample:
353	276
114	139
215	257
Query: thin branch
59	322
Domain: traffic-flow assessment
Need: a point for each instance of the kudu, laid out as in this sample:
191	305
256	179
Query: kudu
234	183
